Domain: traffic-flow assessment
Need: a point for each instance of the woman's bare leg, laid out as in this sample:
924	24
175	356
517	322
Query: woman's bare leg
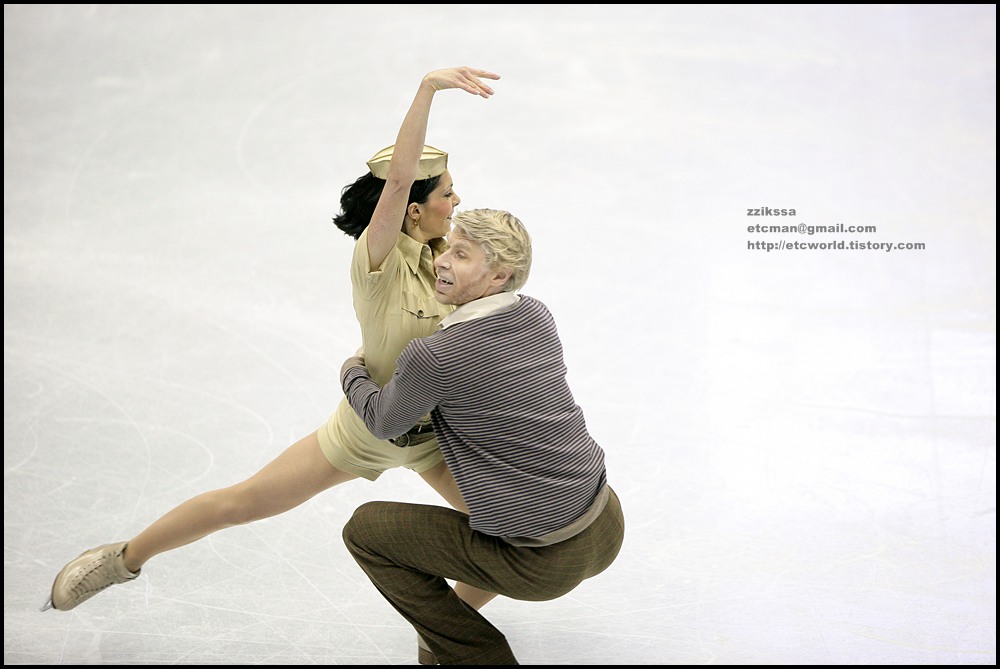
439	477
297	475
473	596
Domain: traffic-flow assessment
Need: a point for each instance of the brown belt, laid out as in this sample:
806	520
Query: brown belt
416	435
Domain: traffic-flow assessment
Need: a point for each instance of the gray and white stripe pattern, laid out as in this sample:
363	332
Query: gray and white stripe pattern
507	423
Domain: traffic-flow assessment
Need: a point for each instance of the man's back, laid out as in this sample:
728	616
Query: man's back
509	428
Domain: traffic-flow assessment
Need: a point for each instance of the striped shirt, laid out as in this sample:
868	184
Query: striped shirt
513	437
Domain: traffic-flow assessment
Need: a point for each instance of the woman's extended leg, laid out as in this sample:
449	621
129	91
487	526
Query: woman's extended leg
298	474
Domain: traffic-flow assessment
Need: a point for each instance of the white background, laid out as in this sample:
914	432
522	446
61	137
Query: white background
804	442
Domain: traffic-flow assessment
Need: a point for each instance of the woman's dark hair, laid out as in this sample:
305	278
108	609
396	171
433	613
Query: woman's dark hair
358	200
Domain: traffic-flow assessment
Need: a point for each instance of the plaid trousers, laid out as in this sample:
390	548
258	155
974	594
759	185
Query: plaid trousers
409	550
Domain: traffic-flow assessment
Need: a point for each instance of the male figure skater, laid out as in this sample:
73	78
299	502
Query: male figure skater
542	517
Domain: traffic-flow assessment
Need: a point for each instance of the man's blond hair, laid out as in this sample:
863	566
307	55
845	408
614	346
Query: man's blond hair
504	241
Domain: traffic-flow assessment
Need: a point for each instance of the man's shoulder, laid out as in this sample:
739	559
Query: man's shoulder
532	307
530	302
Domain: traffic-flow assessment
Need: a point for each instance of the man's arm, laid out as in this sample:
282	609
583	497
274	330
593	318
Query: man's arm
391	410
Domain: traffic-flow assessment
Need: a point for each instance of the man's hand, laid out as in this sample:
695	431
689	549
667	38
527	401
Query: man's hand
356	360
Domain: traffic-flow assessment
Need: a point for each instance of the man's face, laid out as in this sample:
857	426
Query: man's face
463	274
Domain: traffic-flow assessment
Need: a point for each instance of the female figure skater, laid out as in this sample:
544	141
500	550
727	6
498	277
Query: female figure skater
399	213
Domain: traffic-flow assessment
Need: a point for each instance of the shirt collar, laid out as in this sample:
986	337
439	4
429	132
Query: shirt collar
484	306
413	250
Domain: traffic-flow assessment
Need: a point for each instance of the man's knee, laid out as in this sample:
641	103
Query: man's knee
363	524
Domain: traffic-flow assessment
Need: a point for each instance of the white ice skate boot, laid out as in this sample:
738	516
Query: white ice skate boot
95	570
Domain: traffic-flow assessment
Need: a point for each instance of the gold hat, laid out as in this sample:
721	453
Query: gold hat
433	162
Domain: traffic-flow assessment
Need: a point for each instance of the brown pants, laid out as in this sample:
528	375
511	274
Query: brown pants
409	550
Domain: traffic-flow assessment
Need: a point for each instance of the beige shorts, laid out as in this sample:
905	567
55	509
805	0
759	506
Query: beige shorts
350	447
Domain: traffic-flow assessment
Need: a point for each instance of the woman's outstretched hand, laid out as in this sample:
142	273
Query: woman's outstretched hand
466	78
